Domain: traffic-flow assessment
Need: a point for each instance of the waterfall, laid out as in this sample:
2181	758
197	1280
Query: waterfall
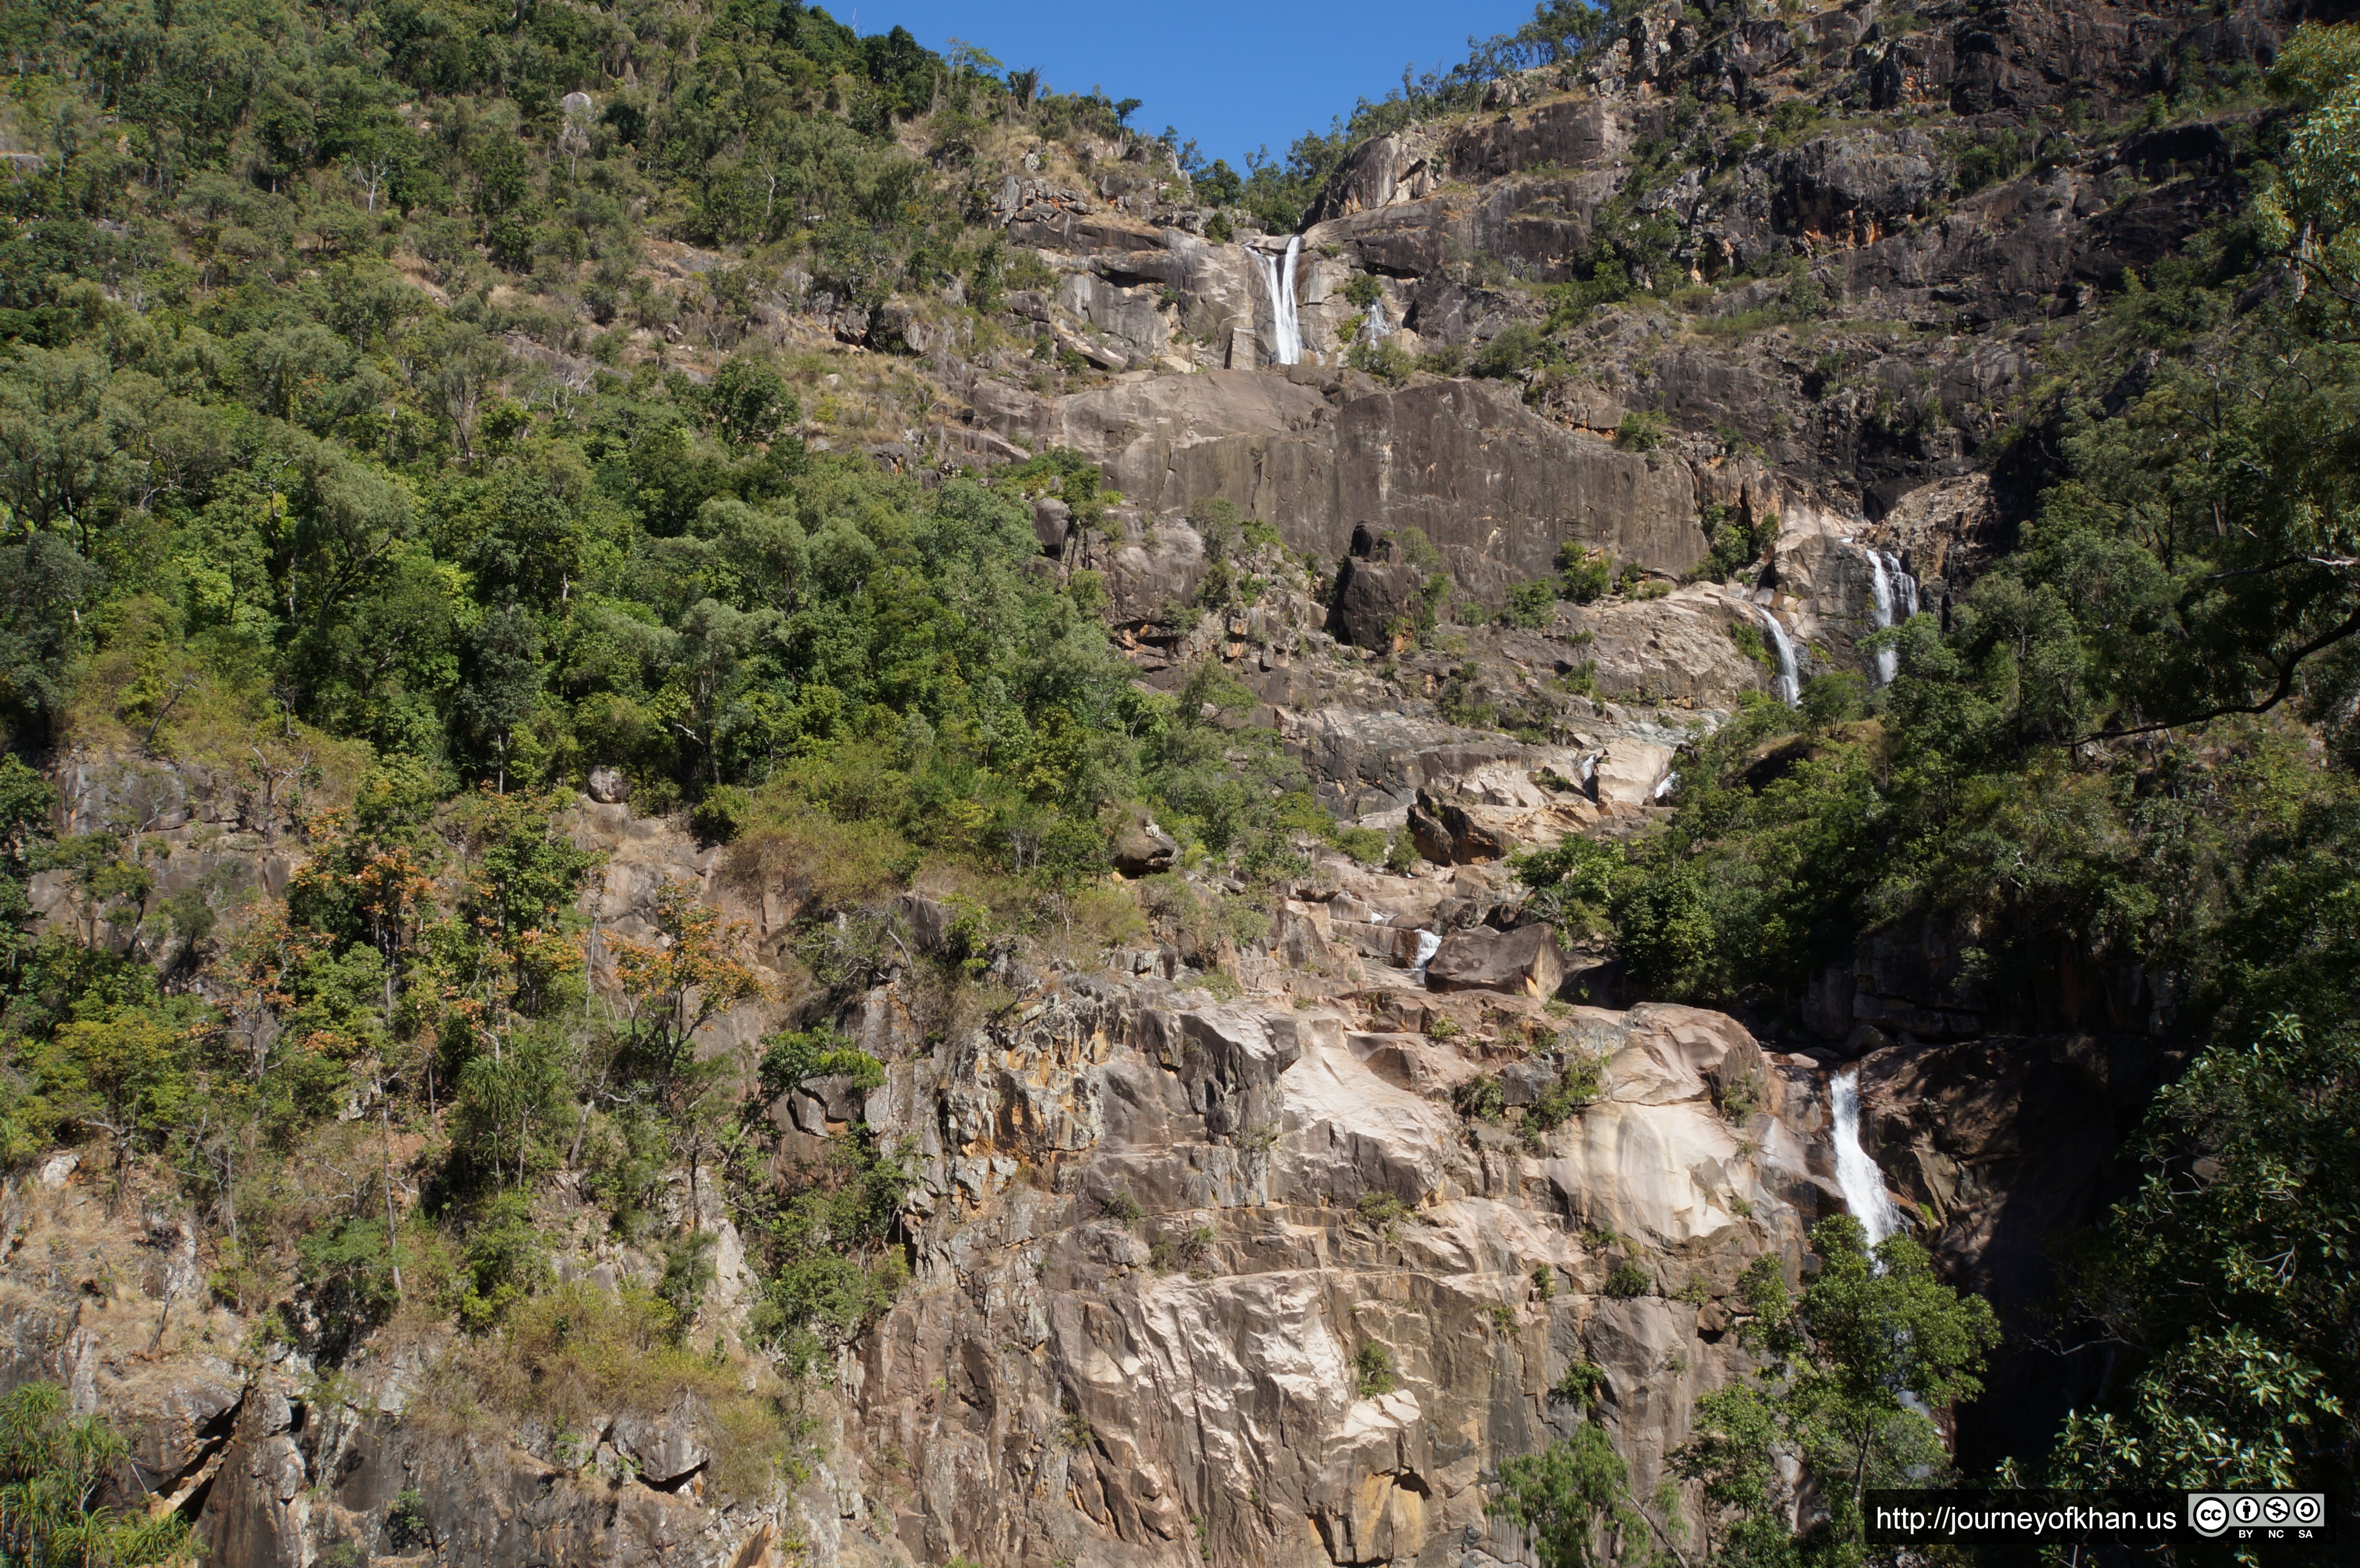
1375	328
1893	599
1856	1173
1285	327
1428	945
1790	679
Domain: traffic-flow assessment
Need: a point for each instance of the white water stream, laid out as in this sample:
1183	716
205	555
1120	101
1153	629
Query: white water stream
1428	945
1856	1173
1790	679
1285	326
1892	598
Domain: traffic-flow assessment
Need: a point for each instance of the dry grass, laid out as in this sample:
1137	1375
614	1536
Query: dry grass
816	861
1099	917
151	693
574	1355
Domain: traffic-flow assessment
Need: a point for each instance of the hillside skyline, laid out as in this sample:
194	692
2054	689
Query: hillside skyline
1308	72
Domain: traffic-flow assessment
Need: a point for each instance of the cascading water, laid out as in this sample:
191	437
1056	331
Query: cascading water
1790	679
1428	945
1375	327
1856	1173
1285	327
1880	606
1863	1187
1893	599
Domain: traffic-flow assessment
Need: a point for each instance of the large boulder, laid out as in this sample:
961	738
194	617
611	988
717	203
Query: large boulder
1142	849
1677	649
1448	834
664	1449
1374	599
1051	521
1485	804
1628	772
1525	962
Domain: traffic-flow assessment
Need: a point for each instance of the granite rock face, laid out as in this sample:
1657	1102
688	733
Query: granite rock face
1157	1238
1493	484
1929	264
1222	1396
1176	1200
1525	962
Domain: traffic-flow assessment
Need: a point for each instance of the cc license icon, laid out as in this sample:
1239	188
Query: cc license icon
2208	1514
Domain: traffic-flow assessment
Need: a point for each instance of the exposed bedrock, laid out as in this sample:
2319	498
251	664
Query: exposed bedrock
1194	1279
1494	484
1196	1379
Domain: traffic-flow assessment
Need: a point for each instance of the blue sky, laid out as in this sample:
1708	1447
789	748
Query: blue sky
1232	74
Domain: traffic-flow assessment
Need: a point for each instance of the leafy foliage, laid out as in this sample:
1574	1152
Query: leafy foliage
52	1469
2227	1280
828	1247
1850	1372
1573	1499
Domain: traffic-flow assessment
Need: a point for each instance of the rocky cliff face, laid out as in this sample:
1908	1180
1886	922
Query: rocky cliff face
1192	1278
1209	1257
1194	1382
1877	278
1205	1264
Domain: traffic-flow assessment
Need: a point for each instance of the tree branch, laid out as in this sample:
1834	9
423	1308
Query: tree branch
2288	670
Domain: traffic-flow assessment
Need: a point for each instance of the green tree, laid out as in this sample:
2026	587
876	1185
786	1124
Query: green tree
127	1075
26	801
1573	1498
2226	1283
53	1470
524	878
749	401
2313	210
1850	1375
45	586
827	1242
502	672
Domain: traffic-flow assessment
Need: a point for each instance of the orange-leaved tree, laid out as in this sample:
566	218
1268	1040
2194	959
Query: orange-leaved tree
691	973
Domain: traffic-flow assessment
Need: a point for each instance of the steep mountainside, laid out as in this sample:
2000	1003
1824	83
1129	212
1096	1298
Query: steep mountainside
772	802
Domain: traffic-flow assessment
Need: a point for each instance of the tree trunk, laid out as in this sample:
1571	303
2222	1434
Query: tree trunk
392	1247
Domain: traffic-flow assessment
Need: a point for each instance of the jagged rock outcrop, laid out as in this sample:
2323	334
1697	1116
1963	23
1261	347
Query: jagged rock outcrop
1680	648
1525	962
1153	1235
1868	229
1155	1232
